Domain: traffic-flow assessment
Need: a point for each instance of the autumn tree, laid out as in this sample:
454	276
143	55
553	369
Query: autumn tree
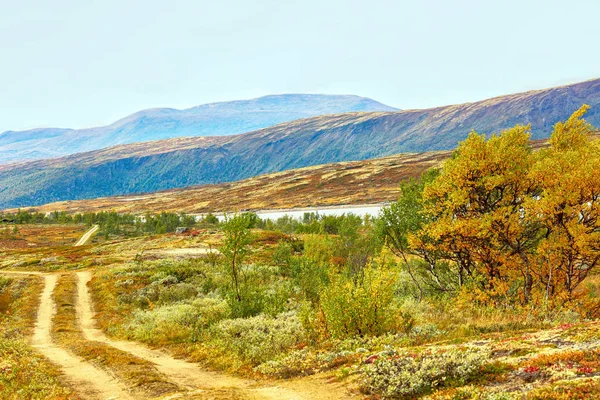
517	223
568	205
407	217
478	203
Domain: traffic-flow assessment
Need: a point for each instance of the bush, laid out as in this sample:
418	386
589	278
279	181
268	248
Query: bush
282	257
177	293
177	322
310	271
363	305
399	377
258	339
305	362
4	282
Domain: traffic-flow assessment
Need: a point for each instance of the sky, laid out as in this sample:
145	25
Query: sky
76	64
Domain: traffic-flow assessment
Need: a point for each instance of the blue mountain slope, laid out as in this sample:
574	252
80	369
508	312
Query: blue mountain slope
216	119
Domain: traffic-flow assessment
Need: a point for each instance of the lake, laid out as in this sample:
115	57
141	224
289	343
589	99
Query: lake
298	213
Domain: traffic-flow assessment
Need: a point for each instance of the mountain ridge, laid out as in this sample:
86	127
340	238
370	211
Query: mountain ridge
220	118
373	181
176	163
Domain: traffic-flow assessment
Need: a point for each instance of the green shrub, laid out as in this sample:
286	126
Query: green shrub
177	293
177	322
258	339
363	306
4	282
282	256
305	362
309	272
319	249
182	270
277	298
398	377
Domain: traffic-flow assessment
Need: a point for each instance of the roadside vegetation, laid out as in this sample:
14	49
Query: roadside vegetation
480	282
138	374
24	374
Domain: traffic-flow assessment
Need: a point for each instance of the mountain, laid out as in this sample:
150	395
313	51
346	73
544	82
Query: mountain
372	181
176	163
355	182
216	119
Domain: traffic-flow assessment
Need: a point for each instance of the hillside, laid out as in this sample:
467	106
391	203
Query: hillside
216	119
358	182
182	162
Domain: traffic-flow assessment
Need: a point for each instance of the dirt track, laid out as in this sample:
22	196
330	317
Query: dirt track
93	383
90	381
86	236
183	373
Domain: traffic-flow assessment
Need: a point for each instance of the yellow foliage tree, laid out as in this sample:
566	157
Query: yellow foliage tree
519	224
478	201
568	206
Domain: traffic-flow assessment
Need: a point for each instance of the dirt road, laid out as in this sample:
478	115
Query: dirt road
86	236
183	373
93	383
89	381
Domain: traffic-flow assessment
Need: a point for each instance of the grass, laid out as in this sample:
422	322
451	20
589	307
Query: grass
510	337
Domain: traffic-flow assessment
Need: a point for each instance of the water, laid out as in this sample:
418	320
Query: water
298	213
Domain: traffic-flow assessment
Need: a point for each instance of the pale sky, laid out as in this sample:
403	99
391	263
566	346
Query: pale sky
82	63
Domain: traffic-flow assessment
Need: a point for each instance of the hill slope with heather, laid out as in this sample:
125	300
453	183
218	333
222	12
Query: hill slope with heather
356	182
182	162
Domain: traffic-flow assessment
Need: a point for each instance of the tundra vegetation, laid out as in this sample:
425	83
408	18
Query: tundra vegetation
24	374
480	282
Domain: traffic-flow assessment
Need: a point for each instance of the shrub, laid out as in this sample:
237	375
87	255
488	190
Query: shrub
398	377
306	362
364	305
278	298
248	299
177	322
4	282
282	256
177	293
258	339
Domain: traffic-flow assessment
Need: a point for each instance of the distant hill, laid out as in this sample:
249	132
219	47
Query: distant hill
354	182
176	163
216	119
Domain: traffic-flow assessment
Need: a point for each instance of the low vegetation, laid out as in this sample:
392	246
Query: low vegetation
138	374
480	282
24	374
110	223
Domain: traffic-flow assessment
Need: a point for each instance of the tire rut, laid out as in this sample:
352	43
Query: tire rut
92	383
183	373
89	381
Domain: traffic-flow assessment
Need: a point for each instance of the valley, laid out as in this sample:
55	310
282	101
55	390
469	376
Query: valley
114	318
316	200
155	297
